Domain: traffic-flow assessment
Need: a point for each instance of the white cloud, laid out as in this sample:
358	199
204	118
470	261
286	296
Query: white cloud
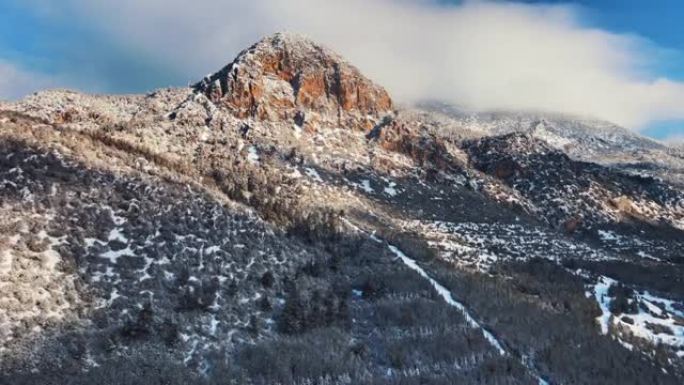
16	82
480	55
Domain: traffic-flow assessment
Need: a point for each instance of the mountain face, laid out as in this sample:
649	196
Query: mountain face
286	77
584	139
281	222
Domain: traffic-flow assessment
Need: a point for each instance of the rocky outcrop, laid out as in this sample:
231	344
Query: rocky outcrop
396	136
624	205
286	76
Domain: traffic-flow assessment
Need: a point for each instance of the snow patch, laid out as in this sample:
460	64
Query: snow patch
212	249
601	294
391	190
113	256
252	155
657	320
313	174
365	186
608	236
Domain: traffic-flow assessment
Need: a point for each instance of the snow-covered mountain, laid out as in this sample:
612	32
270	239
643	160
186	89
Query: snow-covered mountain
283	222
584	139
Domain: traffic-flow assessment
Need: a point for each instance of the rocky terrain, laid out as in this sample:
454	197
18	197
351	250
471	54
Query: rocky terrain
581	138
282	221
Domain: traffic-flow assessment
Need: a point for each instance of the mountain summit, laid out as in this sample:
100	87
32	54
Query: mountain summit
287	76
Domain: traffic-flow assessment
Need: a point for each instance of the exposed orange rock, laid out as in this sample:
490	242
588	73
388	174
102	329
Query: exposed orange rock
284	74
623	204
310	89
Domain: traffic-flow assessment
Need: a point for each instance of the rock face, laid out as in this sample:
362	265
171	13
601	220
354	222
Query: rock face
286	76
397	136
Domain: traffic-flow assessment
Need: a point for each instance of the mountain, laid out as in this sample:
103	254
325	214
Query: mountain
582	138
282	221
287	77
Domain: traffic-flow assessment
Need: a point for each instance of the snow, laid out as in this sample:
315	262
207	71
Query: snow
313	174
113	296
212	249
204	136
601	295
479	245
113	256
117	219
391	190
189	355
365	186
213	325
148	263
654	315
117	234
446	295
551	138
449	299
652	311
608	236
252	155
90	361
6	260
645	255
667	303
50	258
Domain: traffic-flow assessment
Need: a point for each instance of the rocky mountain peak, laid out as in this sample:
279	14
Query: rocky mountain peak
287	76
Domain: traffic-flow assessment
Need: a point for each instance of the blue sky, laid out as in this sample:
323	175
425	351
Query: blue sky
657	20
74	53
88	47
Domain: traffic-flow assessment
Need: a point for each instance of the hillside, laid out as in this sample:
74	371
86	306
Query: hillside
282	221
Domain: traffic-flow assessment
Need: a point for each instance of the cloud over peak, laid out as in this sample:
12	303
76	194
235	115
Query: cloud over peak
480	55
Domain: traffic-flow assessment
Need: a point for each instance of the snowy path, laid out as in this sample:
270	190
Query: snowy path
448	298
446	294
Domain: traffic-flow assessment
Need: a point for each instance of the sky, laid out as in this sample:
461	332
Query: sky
618	60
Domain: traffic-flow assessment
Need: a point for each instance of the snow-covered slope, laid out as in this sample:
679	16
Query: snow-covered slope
584	139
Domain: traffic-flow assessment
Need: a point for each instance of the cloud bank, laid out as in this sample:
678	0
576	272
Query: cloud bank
477	54
16	82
